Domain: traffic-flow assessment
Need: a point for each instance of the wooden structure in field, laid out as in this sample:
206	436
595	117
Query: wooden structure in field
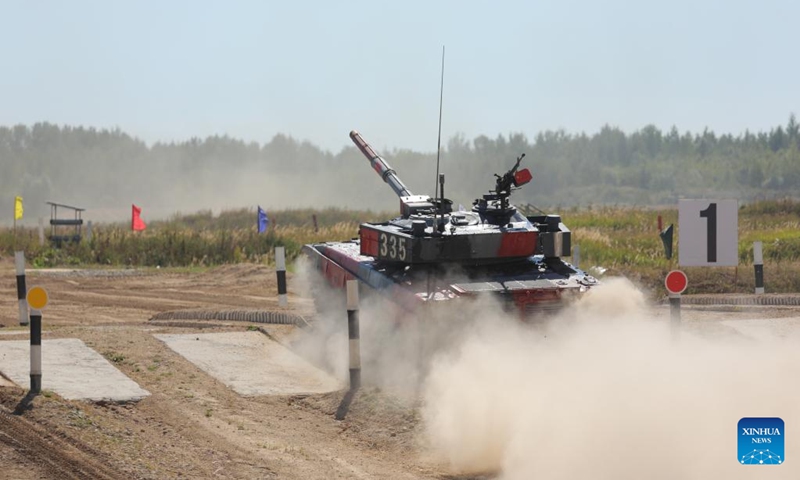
58	233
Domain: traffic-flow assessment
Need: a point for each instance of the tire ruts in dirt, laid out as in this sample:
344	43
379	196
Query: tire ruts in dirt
53	454
22	291
256	316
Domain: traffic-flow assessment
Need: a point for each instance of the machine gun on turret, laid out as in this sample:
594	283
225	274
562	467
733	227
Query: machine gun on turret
494	206
510	179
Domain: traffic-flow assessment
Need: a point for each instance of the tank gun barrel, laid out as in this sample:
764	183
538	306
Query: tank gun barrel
383	169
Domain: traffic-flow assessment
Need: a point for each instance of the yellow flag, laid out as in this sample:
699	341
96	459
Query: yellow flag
18	208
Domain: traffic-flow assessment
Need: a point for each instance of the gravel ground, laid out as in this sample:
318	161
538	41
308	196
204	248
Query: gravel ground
193	425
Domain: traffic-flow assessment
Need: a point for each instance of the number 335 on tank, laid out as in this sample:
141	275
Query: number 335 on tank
708	233
392	247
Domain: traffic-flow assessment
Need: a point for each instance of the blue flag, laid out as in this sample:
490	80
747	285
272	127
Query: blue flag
263	221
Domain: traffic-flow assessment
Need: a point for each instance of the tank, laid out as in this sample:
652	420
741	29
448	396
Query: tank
432	255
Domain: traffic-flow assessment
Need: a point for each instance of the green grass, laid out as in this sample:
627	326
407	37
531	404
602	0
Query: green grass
114	357
622	239
625	240
196	240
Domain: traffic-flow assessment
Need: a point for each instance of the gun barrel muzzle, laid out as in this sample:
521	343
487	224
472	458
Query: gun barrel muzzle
362	145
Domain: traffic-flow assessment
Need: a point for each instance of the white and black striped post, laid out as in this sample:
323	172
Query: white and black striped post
353	334
22	291
758	263
280	264
36	351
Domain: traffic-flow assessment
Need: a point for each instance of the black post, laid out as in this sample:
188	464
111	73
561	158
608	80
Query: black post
353	334
355	349
675	315
758	264
280	268
22	291
36	351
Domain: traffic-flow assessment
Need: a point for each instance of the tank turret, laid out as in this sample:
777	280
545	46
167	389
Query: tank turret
428	231
493	247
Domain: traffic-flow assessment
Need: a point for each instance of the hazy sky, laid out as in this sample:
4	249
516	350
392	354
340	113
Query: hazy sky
171	70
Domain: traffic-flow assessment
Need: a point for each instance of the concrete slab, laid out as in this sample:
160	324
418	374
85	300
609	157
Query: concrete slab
251	364
70	369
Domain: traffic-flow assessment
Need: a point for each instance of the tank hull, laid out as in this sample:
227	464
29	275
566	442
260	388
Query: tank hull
527	286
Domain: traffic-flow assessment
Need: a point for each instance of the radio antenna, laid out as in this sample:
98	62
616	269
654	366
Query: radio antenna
436	179
439	140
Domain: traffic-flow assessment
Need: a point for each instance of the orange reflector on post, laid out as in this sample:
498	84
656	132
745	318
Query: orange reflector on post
37	298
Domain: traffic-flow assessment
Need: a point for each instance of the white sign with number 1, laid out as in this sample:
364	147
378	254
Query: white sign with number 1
708	233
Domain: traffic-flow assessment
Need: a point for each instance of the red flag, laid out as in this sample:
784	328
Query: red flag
137	223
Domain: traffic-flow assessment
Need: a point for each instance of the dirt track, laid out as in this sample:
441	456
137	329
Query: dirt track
193	426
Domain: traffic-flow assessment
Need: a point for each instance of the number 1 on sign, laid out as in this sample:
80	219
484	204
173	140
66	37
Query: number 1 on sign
710	214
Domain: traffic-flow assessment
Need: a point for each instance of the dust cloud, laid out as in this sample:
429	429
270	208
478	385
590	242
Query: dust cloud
396	348
600	391
220	191
603	392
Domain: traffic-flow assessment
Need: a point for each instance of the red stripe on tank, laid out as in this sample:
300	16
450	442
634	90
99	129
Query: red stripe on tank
369	241
345	262
336	275
518	244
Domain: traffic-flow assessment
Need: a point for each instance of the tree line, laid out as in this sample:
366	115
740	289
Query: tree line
105	168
